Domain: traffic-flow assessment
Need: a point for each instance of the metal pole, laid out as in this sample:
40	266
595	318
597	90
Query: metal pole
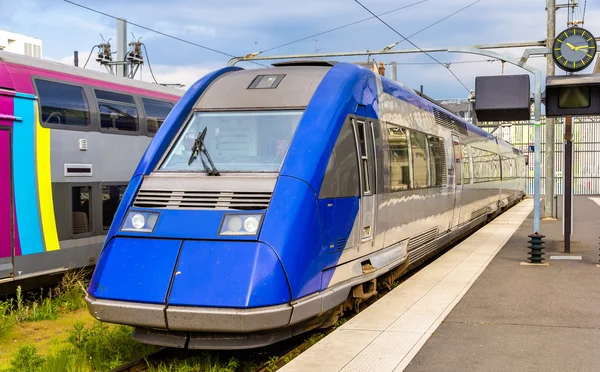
76	58
568	182
550	124
121	46
256	57
394	71
537	113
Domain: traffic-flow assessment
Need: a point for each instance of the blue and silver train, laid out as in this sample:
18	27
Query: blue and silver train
272	200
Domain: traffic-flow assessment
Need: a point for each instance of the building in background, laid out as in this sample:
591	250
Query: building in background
20	44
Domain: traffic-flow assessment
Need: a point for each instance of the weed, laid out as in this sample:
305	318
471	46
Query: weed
6	319
105	348
63	361
45	309
315	338
70	293
26	359
205	362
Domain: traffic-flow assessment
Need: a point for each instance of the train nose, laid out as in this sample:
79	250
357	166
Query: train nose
226	274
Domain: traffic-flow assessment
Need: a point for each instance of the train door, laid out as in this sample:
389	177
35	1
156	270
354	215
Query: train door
458	173
365	140
6	216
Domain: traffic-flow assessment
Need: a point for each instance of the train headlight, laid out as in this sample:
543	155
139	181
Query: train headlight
137	221
240	224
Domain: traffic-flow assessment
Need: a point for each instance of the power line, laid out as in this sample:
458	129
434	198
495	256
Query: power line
88	58
158	32
149	66
439	21
344	26
413	44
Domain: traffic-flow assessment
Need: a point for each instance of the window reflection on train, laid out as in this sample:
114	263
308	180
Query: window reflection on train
250	141
428	159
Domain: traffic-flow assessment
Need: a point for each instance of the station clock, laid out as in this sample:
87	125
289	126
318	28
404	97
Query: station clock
574	49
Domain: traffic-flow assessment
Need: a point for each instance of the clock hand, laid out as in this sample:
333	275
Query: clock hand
571	46
581	47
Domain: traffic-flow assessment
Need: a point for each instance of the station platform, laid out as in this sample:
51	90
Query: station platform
477	308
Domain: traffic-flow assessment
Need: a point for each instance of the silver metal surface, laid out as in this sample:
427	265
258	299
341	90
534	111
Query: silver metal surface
231	91
129	313
204	319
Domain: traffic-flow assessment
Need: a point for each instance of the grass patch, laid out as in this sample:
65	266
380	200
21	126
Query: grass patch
66	297
204	362
95	347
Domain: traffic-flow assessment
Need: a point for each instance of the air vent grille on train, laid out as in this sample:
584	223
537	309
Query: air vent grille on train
202	200
445	120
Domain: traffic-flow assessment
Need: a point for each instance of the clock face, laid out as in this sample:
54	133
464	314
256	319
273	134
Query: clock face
574	49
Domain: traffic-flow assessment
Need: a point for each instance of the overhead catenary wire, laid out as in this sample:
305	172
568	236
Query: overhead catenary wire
413	44
439	21
343	26
158	32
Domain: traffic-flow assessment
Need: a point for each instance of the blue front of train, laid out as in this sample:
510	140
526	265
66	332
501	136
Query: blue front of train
241	251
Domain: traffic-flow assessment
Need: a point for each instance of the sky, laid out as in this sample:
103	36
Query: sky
240	27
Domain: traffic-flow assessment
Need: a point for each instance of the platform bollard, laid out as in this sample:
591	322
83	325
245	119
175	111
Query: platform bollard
536	252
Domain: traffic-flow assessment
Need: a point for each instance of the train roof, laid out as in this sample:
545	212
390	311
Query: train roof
81	72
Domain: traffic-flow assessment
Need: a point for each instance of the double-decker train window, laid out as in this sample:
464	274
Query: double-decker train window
117	111
418	145
62	104
81	207
400	172
156	113
437	161
111	197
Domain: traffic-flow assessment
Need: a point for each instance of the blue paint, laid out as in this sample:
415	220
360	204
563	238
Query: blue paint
135	270
190	224
341	90
229	274
291	227
24	171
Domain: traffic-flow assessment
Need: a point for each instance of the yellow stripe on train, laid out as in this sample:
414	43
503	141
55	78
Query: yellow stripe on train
44	182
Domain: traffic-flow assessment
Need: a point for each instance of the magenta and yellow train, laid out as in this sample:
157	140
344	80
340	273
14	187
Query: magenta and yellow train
70	140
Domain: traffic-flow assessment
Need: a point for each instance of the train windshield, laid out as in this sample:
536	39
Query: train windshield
241	141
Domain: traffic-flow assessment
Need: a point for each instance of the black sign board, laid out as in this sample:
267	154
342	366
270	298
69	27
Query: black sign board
502	98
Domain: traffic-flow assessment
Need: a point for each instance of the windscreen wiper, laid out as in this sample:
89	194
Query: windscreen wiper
199	149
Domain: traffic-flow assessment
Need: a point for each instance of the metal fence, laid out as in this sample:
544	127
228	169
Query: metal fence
586	148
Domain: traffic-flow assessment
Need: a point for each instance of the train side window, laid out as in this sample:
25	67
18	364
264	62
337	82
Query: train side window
419	159
437	161
156	113
81	205
362	138
466	168
62	104
111	197
400	172
117	111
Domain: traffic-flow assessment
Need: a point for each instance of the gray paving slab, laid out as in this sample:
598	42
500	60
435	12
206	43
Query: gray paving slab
521	318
